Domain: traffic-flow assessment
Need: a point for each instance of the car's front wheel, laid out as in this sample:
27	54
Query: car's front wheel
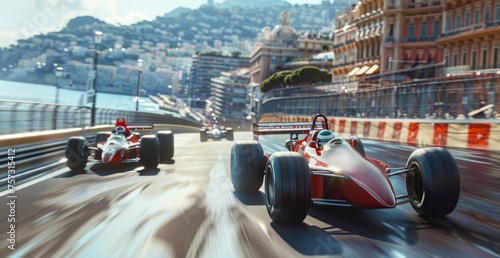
433	184
247	166
149	151
288	187
76	152
166	145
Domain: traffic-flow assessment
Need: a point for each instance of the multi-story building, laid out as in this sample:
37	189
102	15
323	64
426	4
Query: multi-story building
471	35
206	66
410	47
310	45
229	94
450	47
470	41
275	48
345	50
358	39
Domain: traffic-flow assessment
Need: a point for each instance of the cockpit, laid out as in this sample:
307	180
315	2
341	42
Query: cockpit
334	142
116	139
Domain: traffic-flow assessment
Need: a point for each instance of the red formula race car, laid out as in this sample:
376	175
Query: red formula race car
338	173
118	147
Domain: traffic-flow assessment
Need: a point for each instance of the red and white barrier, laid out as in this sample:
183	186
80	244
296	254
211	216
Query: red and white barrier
462	134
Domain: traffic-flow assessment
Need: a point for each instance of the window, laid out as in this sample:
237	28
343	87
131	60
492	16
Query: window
458	21
464	57
391	30
476	16
411	32
446	58
495	57
455	58
487	14
448	22
435	30
485	57
423	30
389	63
497	12
474	56
467	19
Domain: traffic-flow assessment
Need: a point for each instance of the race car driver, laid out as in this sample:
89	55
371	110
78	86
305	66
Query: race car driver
323	137
120	121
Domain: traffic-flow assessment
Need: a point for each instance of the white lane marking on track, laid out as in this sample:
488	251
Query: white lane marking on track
219	232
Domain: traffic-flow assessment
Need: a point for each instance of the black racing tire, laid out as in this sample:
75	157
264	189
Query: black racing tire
287	187
247	166
77	152
166	147
229	134
149	151
434	183
203	135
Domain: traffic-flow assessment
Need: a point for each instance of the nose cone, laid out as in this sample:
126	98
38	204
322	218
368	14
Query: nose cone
368	185
111	155
372	190
107	157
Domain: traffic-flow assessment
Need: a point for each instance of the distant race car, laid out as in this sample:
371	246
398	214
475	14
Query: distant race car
116	147
216	133
339	173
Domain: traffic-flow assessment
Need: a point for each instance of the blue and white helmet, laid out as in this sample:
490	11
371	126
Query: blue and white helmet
121	130
323	137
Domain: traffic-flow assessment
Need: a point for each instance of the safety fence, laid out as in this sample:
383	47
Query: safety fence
481	134
452	97
22	116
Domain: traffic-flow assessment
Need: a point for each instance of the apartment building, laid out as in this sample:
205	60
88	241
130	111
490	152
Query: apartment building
206	66
229	94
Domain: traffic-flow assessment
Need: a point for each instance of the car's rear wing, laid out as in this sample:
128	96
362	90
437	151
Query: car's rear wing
283	128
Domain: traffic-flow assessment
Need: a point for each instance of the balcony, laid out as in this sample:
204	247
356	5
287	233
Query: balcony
423	4
418	39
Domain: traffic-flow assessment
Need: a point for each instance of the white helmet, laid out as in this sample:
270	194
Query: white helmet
120	130
324	136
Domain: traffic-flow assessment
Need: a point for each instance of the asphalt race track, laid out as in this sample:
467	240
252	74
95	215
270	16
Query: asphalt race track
188	208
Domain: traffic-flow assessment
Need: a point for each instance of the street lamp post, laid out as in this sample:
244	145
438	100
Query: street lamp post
139	65
59	72
97	41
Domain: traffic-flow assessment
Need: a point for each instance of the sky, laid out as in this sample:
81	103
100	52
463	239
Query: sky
20	19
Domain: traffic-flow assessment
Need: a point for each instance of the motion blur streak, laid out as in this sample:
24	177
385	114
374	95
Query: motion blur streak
188	208
219	232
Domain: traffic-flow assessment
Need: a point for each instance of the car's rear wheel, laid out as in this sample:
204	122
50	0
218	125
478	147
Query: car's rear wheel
203	135
230	134
434	182
76	152
149	151
288	187
166	147
247	166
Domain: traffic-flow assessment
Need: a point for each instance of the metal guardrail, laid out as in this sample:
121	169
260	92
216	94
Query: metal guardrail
23	116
